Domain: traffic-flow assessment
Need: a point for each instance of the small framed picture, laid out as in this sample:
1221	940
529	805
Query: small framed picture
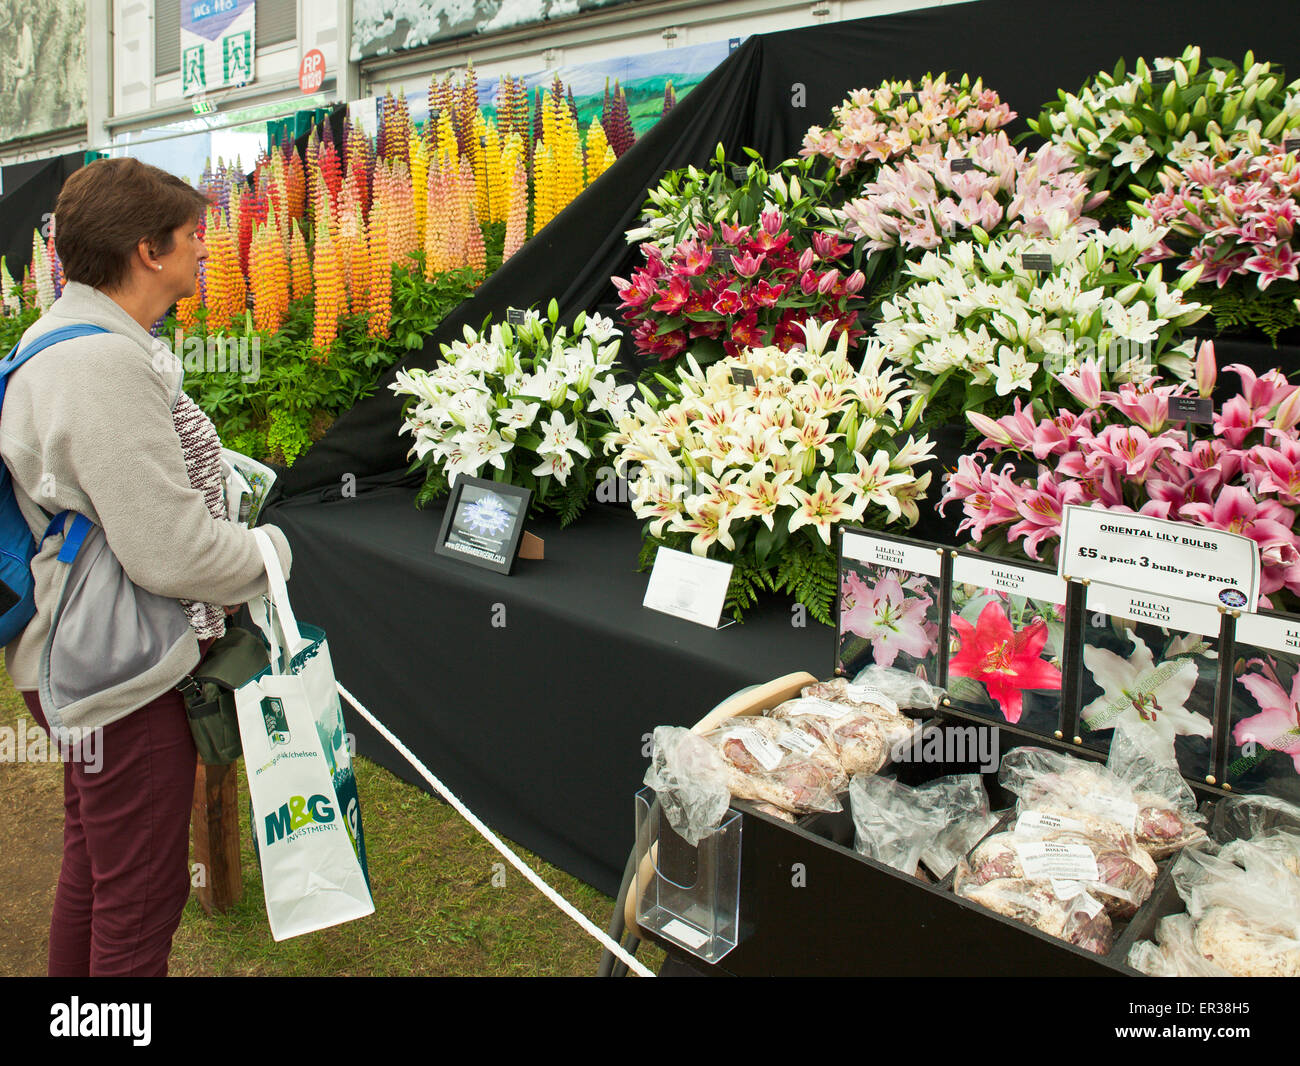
483	523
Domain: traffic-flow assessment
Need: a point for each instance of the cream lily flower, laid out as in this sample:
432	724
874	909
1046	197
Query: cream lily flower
709	520
761	497
873	483
823	507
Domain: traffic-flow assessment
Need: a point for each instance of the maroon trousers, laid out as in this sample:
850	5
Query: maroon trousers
126	841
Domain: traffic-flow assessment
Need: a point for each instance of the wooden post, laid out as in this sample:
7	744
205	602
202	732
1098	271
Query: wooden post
215	820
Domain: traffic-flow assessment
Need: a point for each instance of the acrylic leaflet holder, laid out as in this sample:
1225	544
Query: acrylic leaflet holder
687	895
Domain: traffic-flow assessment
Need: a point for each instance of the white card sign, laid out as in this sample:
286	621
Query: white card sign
688	586
1182	615
1008	577
880	551
1176	559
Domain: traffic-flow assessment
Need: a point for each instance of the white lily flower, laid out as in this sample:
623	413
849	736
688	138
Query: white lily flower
1143	695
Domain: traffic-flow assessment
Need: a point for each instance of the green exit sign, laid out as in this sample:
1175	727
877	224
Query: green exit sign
204	107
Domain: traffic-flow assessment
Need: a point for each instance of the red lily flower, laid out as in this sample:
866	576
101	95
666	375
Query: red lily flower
1003	659
671	302
694	258
727	303
747	333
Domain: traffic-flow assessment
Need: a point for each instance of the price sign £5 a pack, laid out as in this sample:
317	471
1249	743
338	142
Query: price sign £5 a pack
1188	562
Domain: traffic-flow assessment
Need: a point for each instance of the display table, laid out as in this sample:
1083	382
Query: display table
531	696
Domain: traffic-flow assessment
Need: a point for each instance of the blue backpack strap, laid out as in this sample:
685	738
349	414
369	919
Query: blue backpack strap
81	525
11	362
19	355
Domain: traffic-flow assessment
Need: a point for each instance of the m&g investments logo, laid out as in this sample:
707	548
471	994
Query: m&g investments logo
275	720
315	814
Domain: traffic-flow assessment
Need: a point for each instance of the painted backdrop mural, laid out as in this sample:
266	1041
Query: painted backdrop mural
42	66
382	26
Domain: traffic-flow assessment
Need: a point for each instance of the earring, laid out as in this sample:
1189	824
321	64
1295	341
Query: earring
158	267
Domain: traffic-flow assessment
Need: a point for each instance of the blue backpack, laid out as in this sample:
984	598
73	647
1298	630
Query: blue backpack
17	545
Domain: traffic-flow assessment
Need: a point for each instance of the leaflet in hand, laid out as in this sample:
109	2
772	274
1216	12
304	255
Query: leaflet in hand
248	483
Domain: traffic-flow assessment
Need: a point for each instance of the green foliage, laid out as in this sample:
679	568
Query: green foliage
810	573
297	389
1244	308
12	327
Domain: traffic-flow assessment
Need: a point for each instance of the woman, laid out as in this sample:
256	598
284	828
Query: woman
99	426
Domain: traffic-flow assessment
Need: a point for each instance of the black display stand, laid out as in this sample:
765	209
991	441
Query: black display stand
812	906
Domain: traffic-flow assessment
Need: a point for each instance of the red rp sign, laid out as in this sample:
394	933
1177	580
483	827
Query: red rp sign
311	71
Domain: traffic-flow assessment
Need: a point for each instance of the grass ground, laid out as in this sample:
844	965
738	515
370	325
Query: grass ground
438	911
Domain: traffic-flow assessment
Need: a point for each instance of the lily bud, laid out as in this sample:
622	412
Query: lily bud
914	410
1128	292
989	428
1184	123
1092	256
981	235
828	281
1171	120
795	190
1180	74
1275	127
1171	90
1207	370
806	259
1200	108
851	432
1230	111
854	282
809	462
1288	413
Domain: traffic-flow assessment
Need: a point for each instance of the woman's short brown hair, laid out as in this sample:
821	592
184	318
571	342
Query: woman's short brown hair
108	207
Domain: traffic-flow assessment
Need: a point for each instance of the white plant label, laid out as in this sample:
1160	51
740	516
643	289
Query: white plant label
1008	578
1044	859
880	552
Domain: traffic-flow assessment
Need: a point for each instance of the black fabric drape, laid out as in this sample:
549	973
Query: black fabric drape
30	192
764	96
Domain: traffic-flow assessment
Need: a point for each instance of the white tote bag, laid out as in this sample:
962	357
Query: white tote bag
306	815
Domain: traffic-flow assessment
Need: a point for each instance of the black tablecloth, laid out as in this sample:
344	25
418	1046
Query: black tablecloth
540	725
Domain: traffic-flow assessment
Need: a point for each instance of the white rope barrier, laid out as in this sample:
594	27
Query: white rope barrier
515	861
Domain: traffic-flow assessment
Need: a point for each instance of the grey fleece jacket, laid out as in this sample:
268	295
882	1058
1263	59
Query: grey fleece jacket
87	427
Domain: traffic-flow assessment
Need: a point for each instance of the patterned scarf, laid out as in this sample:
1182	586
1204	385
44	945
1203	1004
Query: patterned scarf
202	448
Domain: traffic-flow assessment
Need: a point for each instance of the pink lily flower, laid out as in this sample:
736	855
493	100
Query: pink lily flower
1264	391
1130	449
891	621
1206	369
1084	384
747	265
1277	726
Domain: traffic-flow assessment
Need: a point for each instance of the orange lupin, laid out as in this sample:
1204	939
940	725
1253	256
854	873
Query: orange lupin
327	280
436	234
354	252
380	304
300	265
517	222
